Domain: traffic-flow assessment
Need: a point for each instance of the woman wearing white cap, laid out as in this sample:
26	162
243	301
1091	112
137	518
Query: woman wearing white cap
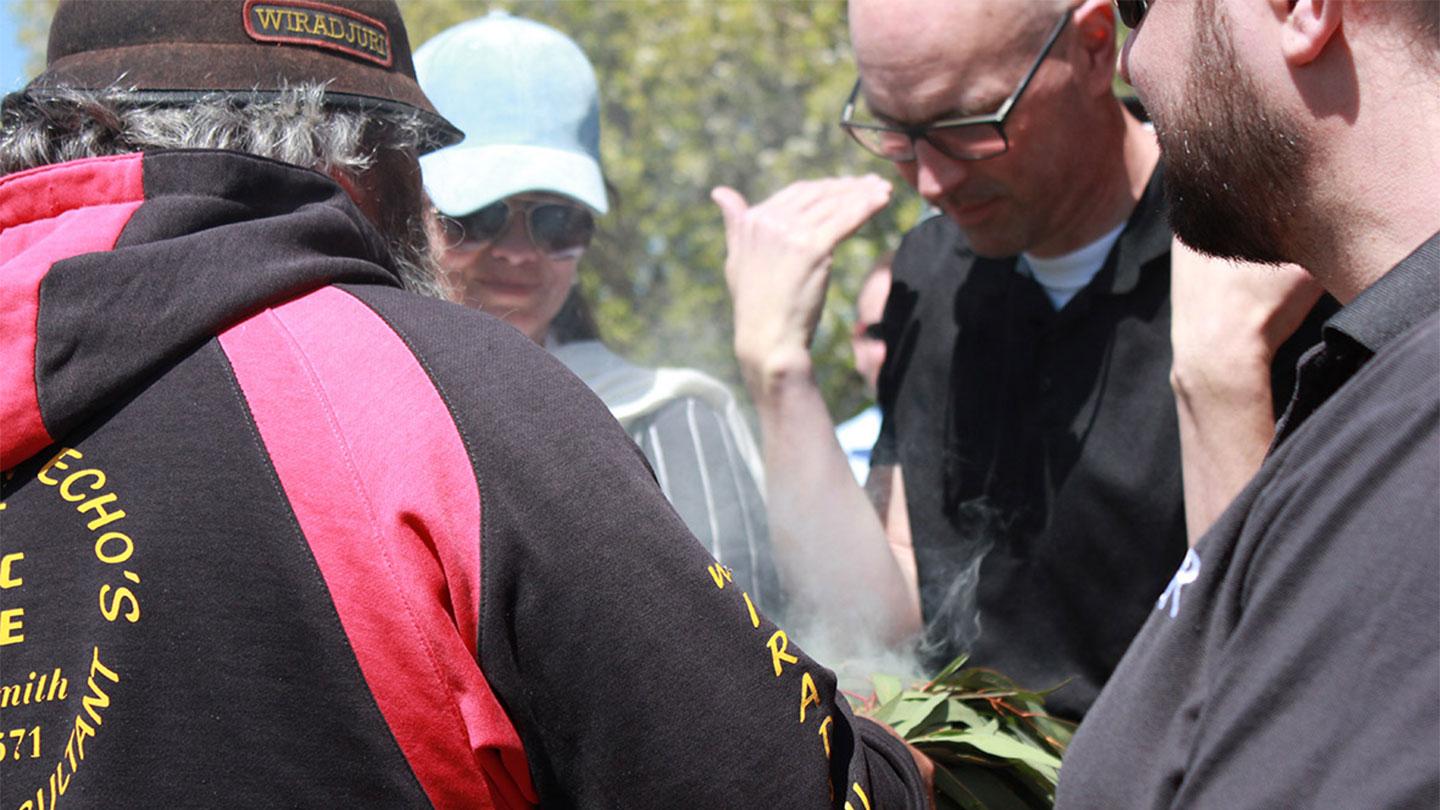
517	200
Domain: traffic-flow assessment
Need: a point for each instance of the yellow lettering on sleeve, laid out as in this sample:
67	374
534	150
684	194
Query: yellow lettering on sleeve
825	734
859	791
809	695
778	644
720	574
750	606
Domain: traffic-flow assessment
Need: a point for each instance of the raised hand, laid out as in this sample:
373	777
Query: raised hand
1227	321
778	263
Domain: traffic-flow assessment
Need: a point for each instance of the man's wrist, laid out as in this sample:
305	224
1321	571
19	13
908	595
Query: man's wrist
778	371
1225	374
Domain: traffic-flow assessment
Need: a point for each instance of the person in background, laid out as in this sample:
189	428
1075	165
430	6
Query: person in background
278	531
517	201
857	434
1027	478
1294	659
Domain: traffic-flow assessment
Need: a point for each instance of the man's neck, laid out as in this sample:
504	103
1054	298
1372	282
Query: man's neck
1375	189
1365	226
1106	196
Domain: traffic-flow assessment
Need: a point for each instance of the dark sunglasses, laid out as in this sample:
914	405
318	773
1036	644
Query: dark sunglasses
555	228
1132	11
873	331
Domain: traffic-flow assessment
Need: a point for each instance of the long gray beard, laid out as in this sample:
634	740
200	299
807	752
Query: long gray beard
414	260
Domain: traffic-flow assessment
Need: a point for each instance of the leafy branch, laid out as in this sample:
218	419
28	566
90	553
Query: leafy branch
993	744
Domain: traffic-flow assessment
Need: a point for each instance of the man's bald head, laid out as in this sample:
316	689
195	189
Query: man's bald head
1048	66
899	41
920	29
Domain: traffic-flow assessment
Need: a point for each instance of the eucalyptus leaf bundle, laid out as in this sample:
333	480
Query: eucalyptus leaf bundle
993	744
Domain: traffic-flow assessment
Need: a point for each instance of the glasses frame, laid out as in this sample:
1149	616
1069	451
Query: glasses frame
527	209
1132	11
918	131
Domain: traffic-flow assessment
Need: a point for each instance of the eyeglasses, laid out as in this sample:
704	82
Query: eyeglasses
873	331
972	137
1133	11
555	228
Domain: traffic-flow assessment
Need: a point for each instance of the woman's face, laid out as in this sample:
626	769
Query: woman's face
509	276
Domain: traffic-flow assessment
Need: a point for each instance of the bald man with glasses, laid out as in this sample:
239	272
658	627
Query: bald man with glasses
1025	500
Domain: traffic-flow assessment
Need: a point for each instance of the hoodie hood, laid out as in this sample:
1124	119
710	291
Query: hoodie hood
112	269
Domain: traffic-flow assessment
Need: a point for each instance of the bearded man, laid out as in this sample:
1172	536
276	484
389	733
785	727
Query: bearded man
1028	469
249	480
1294	659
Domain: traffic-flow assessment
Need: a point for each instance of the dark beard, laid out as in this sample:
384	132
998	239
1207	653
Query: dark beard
1235	173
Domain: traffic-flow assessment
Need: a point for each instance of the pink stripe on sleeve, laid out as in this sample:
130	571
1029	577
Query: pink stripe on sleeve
42	221
381	483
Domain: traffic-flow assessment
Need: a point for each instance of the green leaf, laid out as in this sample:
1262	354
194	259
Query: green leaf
902	707
997	747
950	668
917	713
887	687
959	713
1058	731
993	743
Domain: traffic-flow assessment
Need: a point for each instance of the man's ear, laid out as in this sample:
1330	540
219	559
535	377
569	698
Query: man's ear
1306	27
359	193
1094	22
346	182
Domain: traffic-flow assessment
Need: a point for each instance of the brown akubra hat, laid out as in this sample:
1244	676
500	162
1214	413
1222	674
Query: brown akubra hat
176	52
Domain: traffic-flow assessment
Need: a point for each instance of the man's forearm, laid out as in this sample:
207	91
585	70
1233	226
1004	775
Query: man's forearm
829	541
1228	321
1225	429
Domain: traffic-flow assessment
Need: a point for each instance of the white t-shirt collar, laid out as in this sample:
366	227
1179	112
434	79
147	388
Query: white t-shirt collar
1063	276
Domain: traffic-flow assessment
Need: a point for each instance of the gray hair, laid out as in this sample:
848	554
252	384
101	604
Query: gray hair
294	126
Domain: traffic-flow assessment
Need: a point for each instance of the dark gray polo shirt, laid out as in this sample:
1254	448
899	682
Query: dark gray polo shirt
1294	659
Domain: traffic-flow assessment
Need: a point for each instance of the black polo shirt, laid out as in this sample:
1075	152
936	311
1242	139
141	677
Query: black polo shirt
1294	660
1040	451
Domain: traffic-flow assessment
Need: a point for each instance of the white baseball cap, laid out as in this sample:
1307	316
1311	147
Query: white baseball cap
526	98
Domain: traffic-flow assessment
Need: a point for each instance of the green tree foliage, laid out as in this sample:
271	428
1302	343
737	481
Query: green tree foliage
32	18
696	93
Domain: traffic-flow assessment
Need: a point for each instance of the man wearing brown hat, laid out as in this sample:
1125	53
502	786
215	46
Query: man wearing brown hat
277	531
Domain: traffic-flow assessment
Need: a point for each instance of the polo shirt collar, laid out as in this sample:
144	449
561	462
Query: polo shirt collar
1146	237
1406	295
1401	298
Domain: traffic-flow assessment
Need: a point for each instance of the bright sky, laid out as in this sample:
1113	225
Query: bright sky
12	56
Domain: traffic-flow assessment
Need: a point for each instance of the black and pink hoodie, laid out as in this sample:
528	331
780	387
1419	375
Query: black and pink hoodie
274	532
